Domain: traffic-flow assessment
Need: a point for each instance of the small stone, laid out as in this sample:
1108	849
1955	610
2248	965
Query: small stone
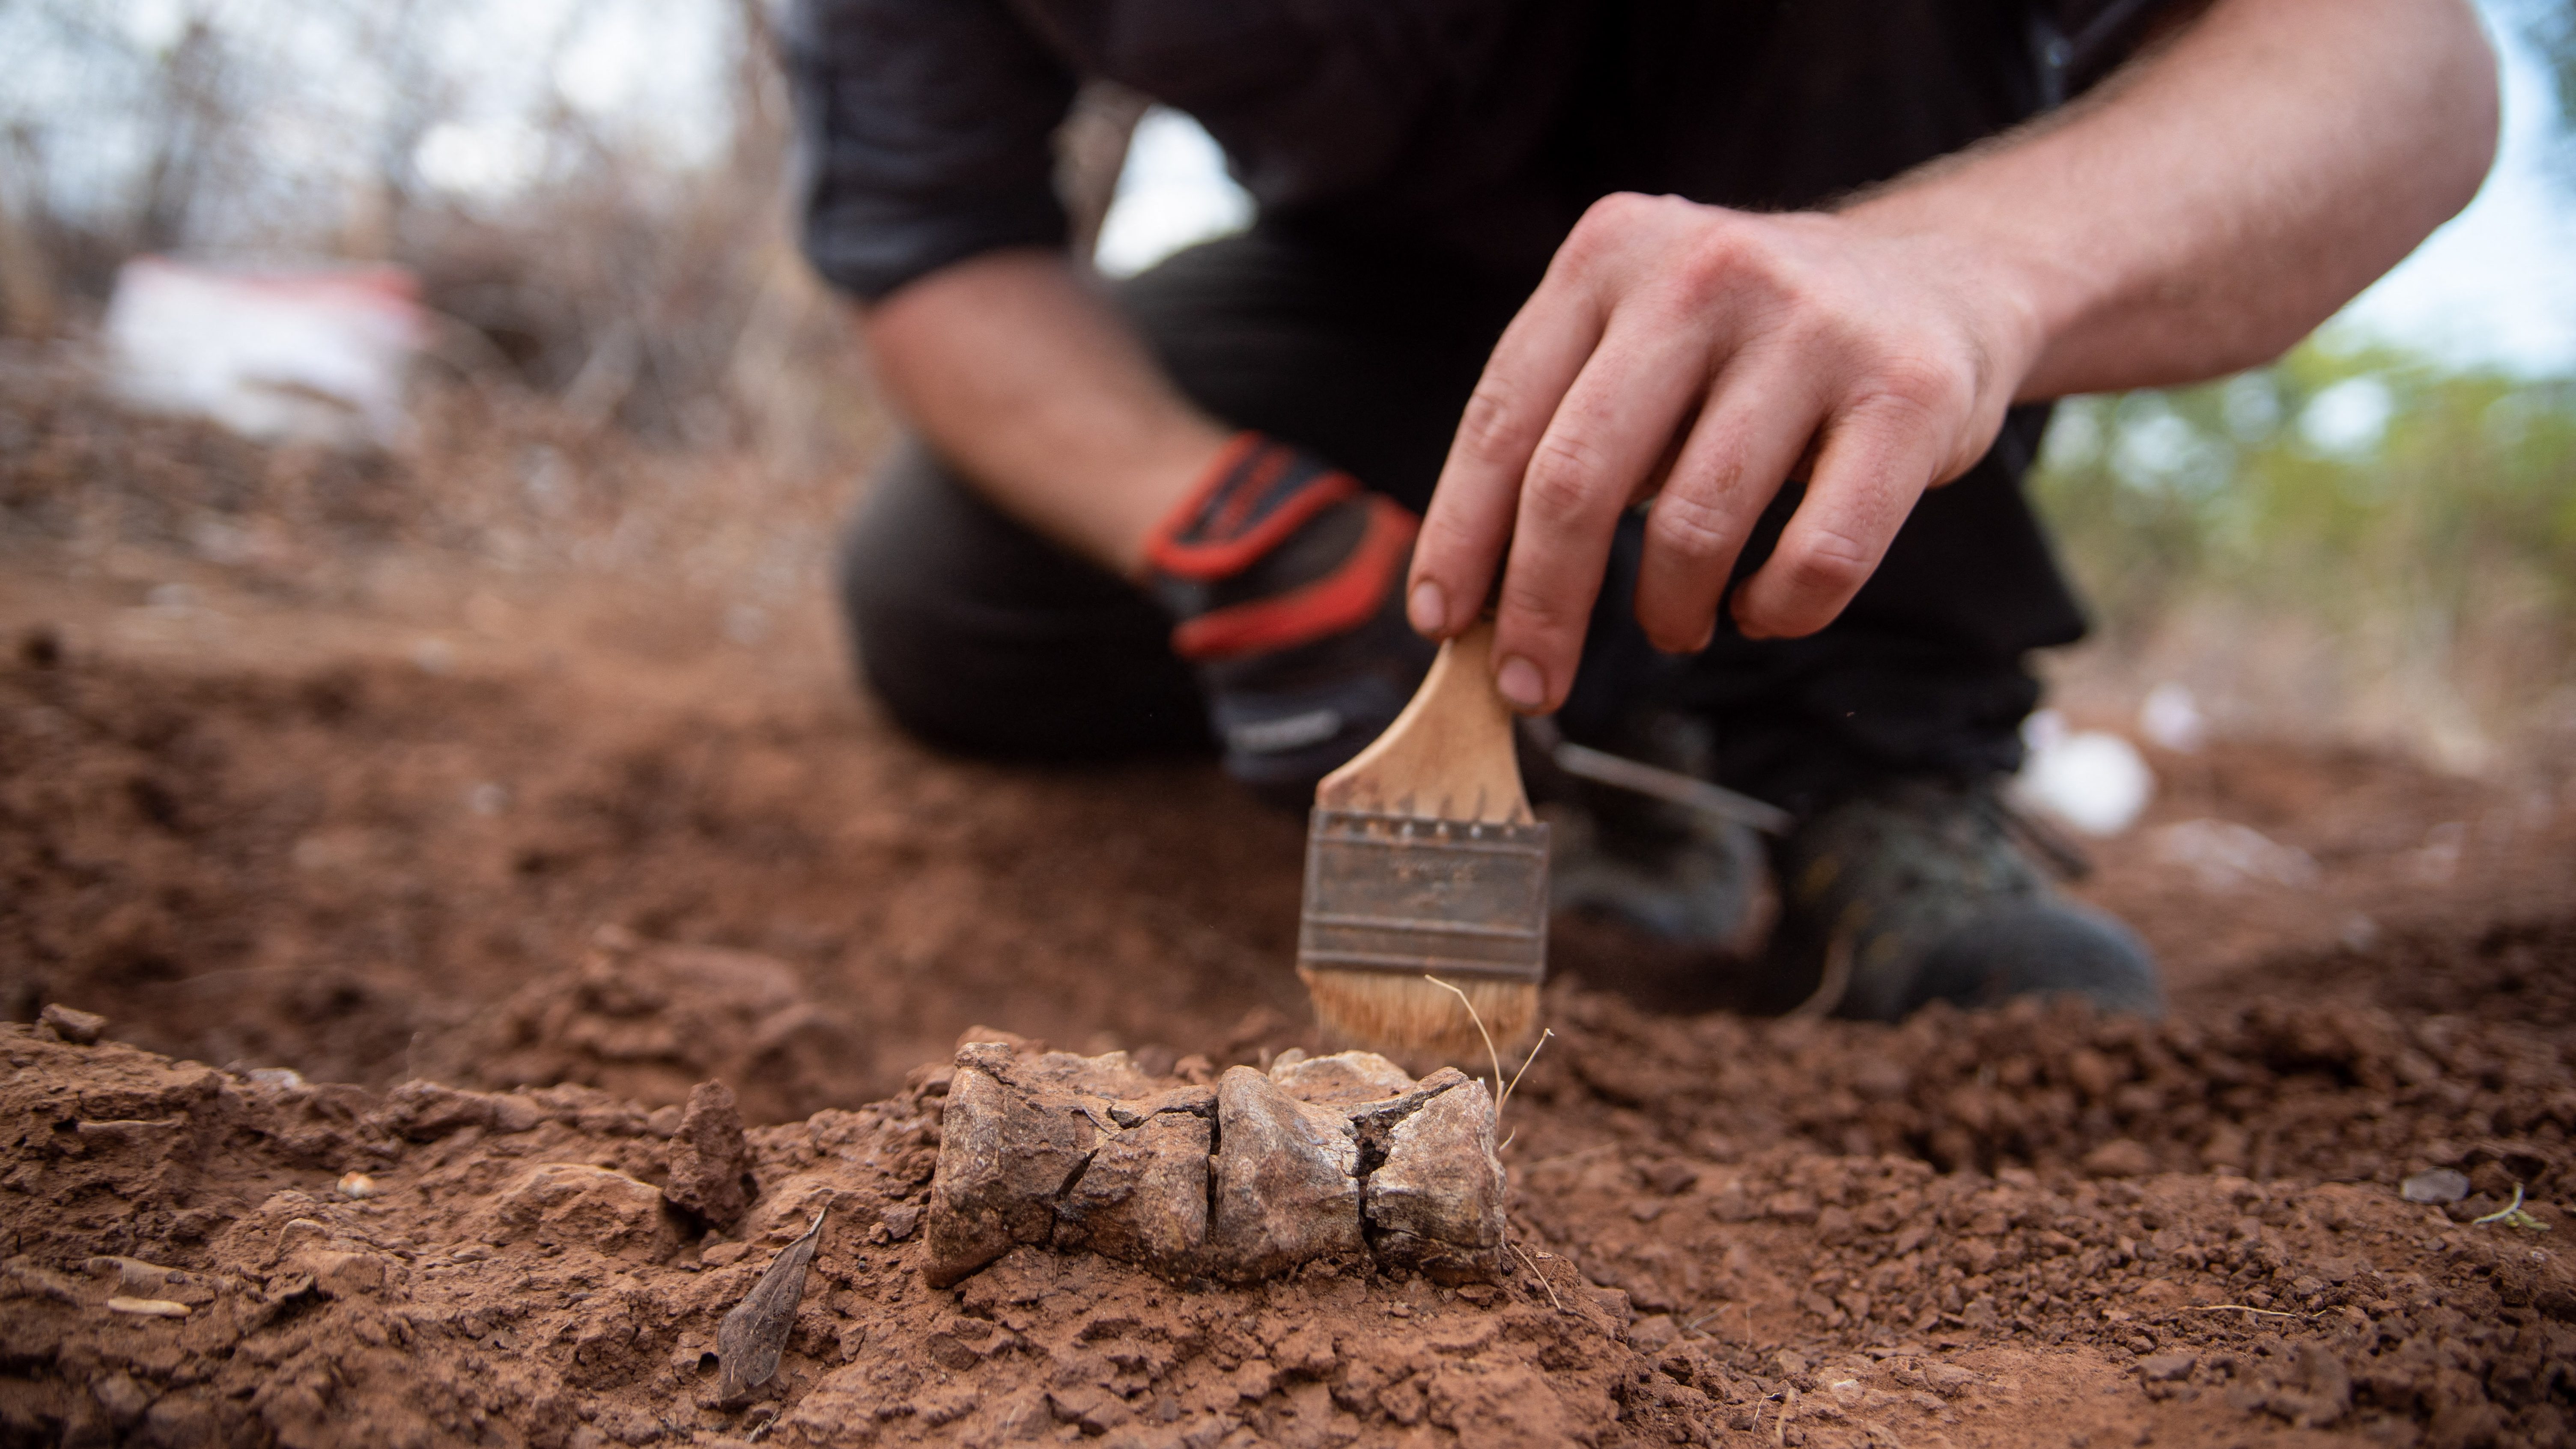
1309	1352
122	1398
1285	1180
1671	1176
80	1028
710	1163
2439	1185
1096	1410
512	1112
2120	1157
356	1186
1257	1376
147	1307
185	1419
1948	1379
342	1275
573	1203
426	1111
2329	1395
2164	1368
900	1220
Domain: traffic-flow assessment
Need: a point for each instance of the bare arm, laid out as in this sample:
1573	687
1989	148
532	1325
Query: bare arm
2218	201
1016	367
2229	193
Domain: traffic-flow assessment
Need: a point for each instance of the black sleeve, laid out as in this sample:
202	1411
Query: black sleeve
923	131
2081	41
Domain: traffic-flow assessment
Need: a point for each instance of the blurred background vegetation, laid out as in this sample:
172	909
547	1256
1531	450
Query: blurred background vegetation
2356	541
2363	541
2367	541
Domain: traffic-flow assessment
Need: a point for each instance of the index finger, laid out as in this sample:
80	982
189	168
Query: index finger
1469	522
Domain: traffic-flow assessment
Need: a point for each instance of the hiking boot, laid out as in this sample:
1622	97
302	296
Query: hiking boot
1660	870
1917	892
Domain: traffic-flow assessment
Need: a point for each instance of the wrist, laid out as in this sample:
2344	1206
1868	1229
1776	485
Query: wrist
2010	299
1166	469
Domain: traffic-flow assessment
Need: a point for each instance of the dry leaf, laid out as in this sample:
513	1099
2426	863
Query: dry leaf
755	1332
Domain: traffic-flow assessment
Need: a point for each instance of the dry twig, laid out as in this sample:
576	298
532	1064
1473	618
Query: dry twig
1540	1275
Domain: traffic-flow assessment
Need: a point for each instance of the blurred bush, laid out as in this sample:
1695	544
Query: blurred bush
2354	539
591	191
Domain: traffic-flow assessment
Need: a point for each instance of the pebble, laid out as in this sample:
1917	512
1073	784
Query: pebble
147	1307
357	1186
2440	1185
80	1028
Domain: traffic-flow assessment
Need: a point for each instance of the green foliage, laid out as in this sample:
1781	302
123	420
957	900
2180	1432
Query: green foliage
2341	484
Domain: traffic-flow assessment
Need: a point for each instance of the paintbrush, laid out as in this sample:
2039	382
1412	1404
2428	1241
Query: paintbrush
1423	861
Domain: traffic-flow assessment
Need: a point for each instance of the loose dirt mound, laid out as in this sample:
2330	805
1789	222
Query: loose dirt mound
315	795
1720	1231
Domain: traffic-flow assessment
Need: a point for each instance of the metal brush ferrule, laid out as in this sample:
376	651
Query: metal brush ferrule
1409	894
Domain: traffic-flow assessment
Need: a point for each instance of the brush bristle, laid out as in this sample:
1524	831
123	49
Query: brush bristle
1407	1017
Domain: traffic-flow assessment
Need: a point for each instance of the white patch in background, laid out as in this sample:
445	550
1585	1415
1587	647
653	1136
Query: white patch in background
317	354
2229	856
485	161
2170	718
1172	193
2091	781
2348	419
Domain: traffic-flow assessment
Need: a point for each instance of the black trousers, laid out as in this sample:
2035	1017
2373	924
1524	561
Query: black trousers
982	637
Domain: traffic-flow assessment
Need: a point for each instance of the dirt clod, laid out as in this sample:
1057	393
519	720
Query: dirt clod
80	1028
2435	1185
564	1203
710	1163
588	865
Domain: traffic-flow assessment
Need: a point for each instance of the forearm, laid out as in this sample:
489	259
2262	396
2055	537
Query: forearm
1015	368
2223	196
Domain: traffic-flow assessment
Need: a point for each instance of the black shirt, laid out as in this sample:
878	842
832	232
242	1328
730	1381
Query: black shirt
1474	130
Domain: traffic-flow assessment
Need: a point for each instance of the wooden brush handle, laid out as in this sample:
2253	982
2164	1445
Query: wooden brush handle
1449	755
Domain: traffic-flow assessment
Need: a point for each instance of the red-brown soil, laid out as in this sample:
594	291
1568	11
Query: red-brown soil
370	809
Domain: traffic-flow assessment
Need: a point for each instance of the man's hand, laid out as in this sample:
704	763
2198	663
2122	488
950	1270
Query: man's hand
1703	356
2198	213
